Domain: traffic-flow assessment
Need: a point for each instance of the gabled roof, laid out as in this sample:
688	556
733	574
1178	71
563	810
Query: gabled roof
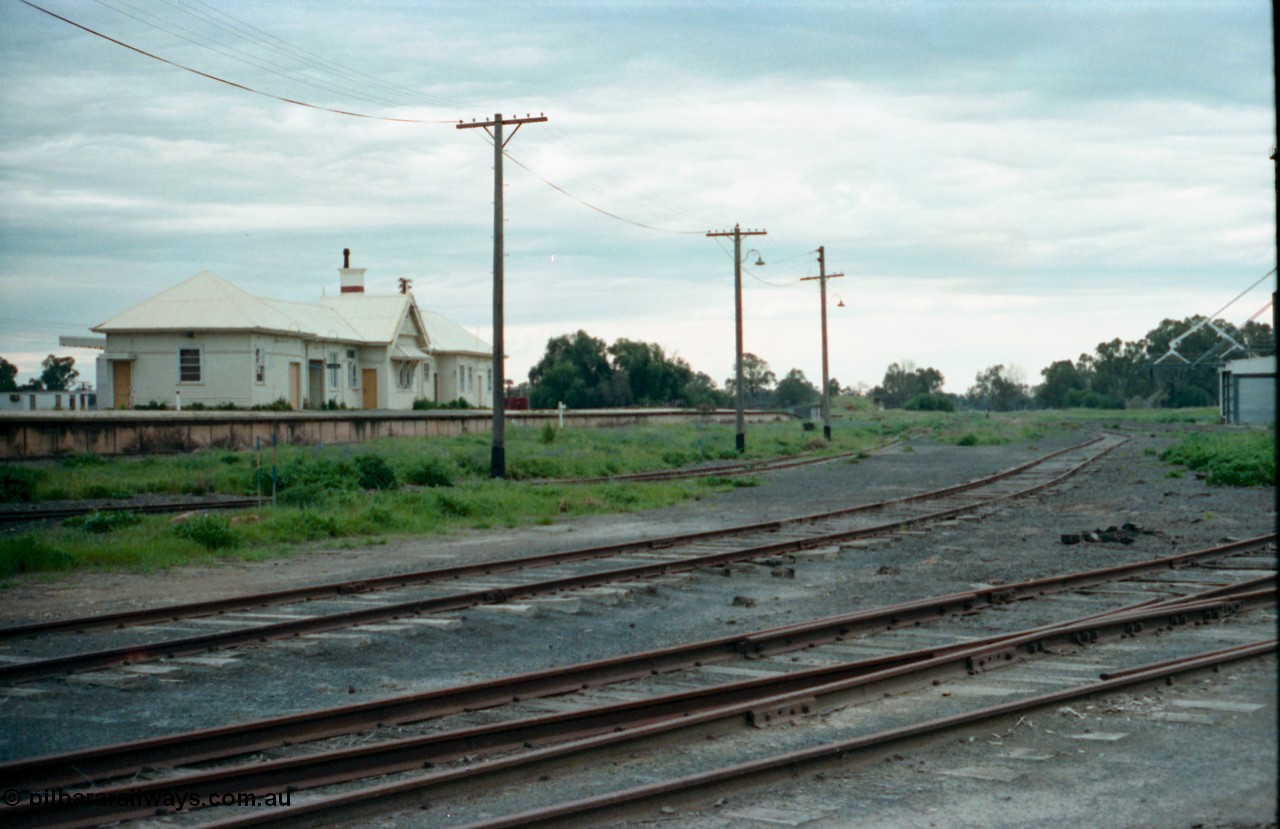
377	319
447	336
205	302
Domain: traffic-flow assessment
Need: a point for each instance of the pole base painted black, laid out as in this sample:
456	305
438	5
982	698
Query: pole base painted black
742	443
826	433
498	462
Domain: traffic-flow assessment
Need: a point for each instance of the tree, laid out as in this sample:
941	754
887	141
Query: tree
8	371
1061	378
700	391
574	370
652	376
1118	369
904	381
757	379
795	390
999	389
59	372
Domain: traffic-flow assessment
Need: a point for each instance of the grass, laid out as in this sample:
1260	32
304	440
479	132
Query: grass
355	495
1228	458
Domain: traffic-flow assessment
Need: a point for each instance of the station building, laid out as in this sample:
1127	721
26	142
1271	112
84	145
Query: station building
208	341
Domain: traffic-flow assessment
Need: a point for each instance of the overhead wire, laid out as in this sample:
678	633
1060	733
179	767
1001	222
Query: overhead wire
265	39
231	83
243	29
197	39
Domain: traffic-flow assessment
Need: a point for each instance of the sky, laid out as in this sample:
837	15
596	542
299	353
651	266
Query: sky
998	182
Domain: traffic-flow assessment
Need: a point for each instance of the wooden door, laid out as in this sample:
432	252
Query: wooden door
121	384
369	392
295	385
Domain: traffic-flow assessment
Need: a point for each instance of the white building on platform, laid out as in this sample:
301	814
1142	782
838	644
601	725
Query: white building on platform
210	342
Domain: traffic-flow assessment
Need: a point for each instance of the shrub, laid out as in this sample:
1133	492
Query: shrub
431	472
18	483
213	532
82	459
548	434
926	402
103	522
967	439
277	405
375	473
30	554
1229	459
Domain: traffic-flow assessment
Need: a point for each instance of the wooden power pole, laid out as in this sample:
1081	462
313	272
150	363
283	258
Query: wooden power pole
737	233
498	457
823	276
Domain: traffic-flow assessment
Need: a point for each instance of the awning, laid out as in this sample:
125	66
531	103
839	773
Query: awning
120	356
402	352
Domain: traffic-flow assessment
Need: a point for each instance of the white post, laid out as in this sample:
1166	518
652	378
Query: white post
178	396
561	407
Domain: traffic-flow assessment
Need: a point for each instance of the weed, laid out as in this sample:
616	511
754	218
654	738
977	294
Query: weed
1228	458
548	434
967	439
103	522
453	506
375	473
213	532
81	459
18	483
31	554
430	472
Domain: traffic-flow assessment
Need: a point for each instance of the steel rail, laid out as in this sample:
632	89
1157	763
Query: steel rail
346	805
171	648
711	471
13	516
844	751
224	741
767	698
398	580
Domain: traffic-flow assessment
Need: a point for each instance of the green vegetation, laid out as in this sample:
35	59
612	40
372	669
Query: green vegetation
1228	458
364	494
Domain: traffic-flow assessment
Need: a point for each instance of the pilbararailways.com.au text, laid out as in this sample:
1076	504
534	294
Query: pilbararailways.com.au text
172	800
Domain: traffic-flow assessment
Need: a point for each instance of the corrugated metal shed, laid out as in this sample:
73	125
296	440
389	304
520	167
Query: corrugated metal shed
1247	391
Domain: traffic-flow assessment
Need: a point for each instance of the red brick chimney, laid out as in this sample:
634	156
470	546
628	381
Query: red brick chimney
352	279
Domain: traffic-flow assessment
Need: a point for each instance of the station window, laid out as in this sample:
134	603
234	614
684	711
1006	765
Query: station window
334	368
259	366
188	365
404	375
353	371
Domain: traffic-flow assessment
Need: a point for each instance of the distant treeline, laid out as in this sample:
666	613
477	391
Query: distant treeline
1158	370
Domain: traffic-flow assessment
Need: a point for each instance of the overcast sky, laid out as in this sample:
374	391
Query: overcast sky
1008	182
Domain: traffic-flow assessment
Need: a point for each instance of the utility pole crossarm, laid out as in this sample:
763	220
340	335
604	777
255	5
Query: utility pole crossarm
498	456
518	122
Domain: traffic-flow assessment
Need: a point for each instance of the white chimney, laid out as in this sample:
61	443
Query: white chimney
352	279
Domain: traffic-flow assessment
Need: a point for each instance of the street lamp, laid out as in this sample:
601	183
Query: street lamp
737	233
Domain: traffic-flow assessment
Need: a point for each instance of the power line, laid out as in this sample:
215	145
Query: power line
232	83
270	42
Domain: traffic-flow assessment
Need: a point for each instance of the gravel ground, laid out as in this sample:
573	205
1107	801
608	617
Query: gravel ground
1220	775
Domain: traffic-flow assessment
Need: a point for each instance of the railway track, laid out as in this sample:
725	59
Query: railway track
34	651
513	734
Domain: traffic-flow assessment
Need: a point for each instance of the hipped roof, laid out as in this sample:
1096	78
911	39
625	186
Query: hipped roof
207	302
